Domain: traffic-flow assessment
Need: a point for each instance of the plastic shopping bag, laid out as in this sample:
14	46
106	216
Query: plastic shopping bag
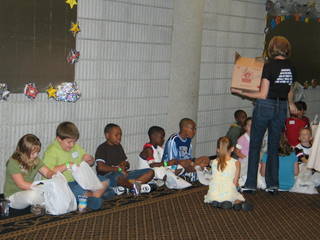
86	177
175	182
58	197
204	175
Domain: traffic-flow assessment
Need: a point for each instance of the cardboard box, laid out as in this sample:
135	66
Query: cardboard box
247	73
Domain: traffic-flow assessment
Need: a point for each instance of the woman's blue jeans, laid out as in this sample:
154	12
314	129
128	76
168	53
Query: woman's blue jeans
267	114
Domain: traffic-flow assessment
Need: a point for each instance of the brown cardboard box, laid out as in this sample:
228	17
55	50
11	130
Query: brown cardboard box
247	73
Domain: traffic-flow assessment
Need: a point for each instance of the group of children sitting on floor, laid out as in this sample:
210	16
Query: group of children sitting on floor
155	163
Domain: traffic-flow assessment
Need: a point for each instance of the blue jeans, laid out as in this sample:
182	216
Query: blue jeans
113	178
93	202
267	114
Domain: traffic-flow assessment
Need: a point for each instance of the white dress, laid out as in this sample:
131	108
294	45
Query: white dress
221	187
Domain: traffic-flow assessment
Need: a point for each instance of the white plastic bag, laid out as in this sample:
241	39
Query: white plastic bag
175	182
58	197
204	175
304	181
86	177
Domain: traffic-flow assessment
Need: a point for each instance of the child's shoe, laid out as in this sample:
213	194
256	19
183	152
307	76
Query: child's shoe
226	205
119	190
243	206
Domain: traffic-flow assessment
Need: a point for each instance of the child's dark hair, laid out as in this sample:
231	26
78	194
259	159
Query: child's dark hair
109	126
224	145
238	113
247	120
185	121
155	129
285	149
67	130
301	105
27	144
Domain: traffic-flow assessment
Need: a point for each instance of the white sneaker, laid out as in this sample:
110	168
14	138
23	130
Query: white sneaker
145	188
119	190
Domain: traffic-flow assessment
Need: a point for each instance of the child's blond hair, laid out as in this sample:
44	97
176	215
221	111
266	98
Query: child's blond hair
224	145
28	144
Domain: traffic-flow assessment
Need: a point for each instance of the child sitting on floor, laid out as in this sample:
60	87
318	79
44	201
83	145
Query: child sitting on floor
242	147
65	151
21	170
288	165
112	163
222	191
303	149
151	155
178	147
295	123
236	129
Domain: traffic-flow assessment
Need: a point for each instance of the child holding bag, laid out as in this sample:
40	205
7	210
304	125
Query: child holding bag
21	169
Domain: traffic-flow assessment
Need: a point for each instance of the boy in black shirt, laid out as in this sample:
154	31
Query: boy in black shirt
111	162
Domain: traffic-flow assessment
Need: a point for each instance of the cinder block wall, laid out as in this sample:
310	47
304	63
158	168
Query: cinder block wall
228	26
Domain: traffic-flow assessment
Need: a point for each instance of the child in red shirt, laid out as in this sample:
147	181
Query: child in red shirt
295	123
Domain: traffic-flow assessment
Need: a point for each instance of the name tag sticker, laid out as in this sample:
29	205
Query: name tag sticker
75	154
291	122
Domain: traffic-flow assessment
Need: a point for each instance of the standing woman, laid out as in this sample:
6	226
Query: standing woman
270	112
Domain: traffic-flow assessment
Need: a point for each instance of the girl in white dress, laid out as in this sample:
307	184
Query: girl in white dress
225	176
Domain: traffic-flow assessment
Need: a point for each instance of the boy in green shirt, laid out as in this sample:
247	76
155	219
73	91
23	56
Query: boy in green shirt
64	150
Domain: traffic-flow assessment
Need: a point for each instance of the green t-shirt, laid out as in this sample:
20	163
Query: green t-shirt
55	156
14	167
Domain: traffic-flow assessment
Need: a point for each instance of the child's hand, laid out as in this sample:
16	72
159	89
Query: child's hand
88	159
202	161
124	165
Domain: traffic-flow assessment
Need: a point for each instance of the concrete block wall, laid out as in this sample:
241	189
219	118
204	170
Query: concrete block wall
123	74
228	26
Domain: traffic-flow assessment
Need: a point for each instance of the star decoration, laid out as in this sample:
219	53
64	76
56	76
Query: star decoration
51	91
75	28
72	3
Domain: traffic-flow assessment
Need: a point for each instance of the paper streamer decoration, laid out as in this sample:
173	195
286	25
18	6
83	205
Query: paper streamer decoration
68	92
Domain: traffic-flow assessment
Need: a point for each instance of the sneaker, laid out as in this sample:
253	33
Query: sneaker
38	210
244	189
243	206
215	204
226	205
119	190
145	188
272	190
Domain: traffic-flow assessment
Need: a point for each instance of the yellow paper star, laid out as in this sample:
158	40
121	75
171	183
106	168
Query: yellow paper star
72	3
51	92
75	28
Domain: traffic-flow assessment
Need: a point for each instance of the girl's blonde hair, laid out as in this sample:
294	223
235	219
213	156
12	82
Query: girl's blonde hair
224	146
28	144
285	149
279	46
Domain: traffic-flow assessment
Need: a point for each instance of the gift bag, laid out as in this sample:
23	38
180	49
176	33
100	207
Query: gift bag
175	182
86	177
58	197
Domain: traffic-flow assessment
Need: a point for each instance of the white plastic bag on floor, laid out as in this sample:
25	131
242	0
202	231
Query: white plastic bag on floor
304	181
204	175
58	197
176	182
86	177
